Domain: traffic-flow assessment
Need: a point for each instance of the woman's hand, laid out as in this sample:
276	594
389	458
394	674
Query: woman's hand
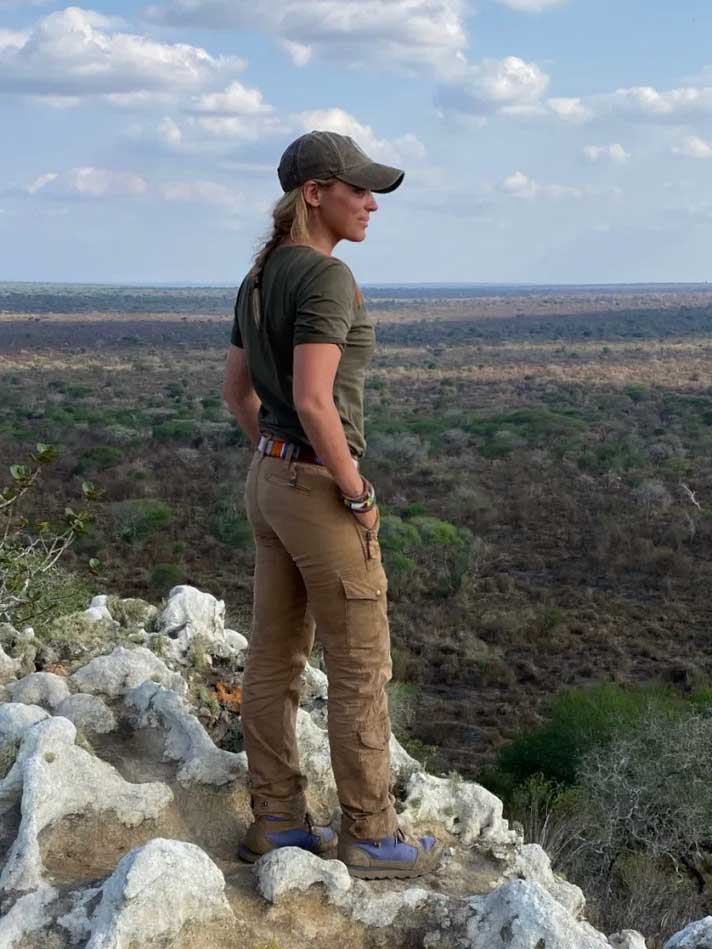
368	519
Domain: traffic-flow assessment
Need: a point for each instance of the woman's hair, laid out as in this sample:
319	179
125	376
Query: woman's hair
290	218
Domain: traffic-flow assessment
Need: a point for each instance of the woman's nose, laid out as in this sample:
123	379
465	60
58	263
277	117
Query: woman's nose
371	205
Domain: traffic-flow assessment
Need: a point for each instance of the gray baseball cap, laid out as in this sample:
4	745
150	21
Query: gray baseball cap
330	155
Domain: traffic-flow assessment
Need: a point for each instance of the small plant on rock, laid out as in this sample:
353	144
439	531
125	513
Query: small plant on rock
30	549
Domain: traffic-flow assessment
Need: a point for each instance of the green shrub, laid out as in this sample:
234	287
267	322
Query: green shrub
98	457
578	721
395	534
139	518
397	562
230	525
440	533
180	430
166	575
30	575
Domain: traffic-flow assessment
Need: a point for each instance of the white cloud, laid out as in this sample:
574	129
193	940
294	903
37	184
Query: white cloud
648	101
87	181
406	34
170	132
11	39
531	6
203	192
570	109
694	147
613	152
76	52
405	149
520	185
299	53
638	104
236	99
39	183
508	85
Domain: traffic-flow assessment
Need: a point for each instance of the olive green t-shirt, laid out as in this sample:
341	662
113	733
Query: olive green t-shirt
307	297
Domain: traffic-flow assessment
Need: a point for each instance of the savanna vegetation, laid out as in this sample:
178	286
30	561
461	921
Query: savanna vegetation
544	465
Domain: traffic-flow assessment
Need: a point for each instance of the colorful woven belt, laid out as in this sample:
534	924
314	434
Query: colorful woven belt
289	451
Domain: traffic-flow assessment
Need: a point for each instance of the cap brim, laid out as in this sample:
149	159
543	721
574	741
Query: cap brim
373	177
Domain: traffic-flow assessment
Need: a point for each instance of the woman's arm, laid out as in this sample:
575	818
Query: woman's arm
239	393
315	366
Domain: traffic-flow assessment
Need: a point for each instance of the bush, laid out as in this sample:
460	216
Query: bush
230	525
396	534
31	579
651	787
182	430
434	531
166	575
100	456
139	518
579	720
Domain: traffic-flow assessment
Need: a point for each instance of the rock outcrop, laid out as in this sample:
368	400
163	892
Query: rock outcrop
120	815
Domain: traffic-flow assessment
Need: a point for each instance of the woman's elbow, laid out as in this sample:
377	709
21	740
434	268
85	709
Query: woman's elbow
312	404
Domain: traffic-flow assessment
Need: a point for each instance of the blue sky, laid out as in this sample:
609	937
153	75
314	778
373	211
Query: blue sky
543	141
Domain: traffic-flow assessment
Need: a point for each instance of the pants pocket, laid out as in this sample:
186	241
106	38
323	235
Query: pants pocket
369	537
367	614
375	733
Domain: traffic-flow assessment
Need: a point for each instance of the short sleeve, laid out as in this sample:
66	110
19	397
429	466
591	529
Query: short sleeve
325	306
236	334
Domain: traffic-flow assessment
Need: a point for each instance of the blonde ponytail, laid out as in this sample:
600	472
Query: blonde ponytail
290	218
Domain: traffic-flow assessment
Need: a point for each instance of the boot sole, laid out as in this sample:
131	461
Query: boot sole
373	873
249	856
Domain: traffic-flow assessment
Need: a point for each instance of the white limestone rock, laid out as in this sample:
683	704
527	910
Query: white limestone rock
98	610
291	868
87	712
28	914
463	807
314	685
403	766
236	641
697	935
9	667
76	921
40	688
521	915
186	741
627	939
153	892
190	615
315	759
125	669
16	718
52	778
531	862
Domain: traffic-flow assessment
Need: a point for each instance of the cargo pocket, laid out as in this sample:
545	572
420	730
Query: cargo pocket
375	733
366	614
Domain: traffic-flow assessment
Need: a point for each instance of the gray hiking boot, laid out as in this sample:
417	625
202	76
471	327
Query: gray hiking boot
401	855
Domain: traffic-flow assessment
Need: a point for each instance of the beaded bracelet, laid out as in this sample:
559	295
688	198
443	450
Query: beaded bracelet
363	503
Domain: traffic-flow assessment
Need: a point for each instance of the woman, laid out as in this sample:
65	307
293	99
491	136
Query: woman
295	379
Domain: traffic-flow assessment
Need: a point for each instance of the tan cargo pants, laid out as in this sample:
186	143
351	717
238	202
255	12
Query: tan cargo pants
311	548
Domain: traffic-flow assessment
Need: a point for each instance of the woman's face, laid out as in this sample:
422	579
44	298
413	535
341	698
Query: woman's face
344	210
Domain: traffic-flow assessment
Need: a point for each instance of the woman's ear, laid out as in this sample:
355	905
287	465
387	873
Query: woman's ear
310	190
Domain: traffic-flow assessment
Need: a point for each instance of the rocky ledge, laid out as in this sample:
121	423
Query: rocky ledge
120	812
